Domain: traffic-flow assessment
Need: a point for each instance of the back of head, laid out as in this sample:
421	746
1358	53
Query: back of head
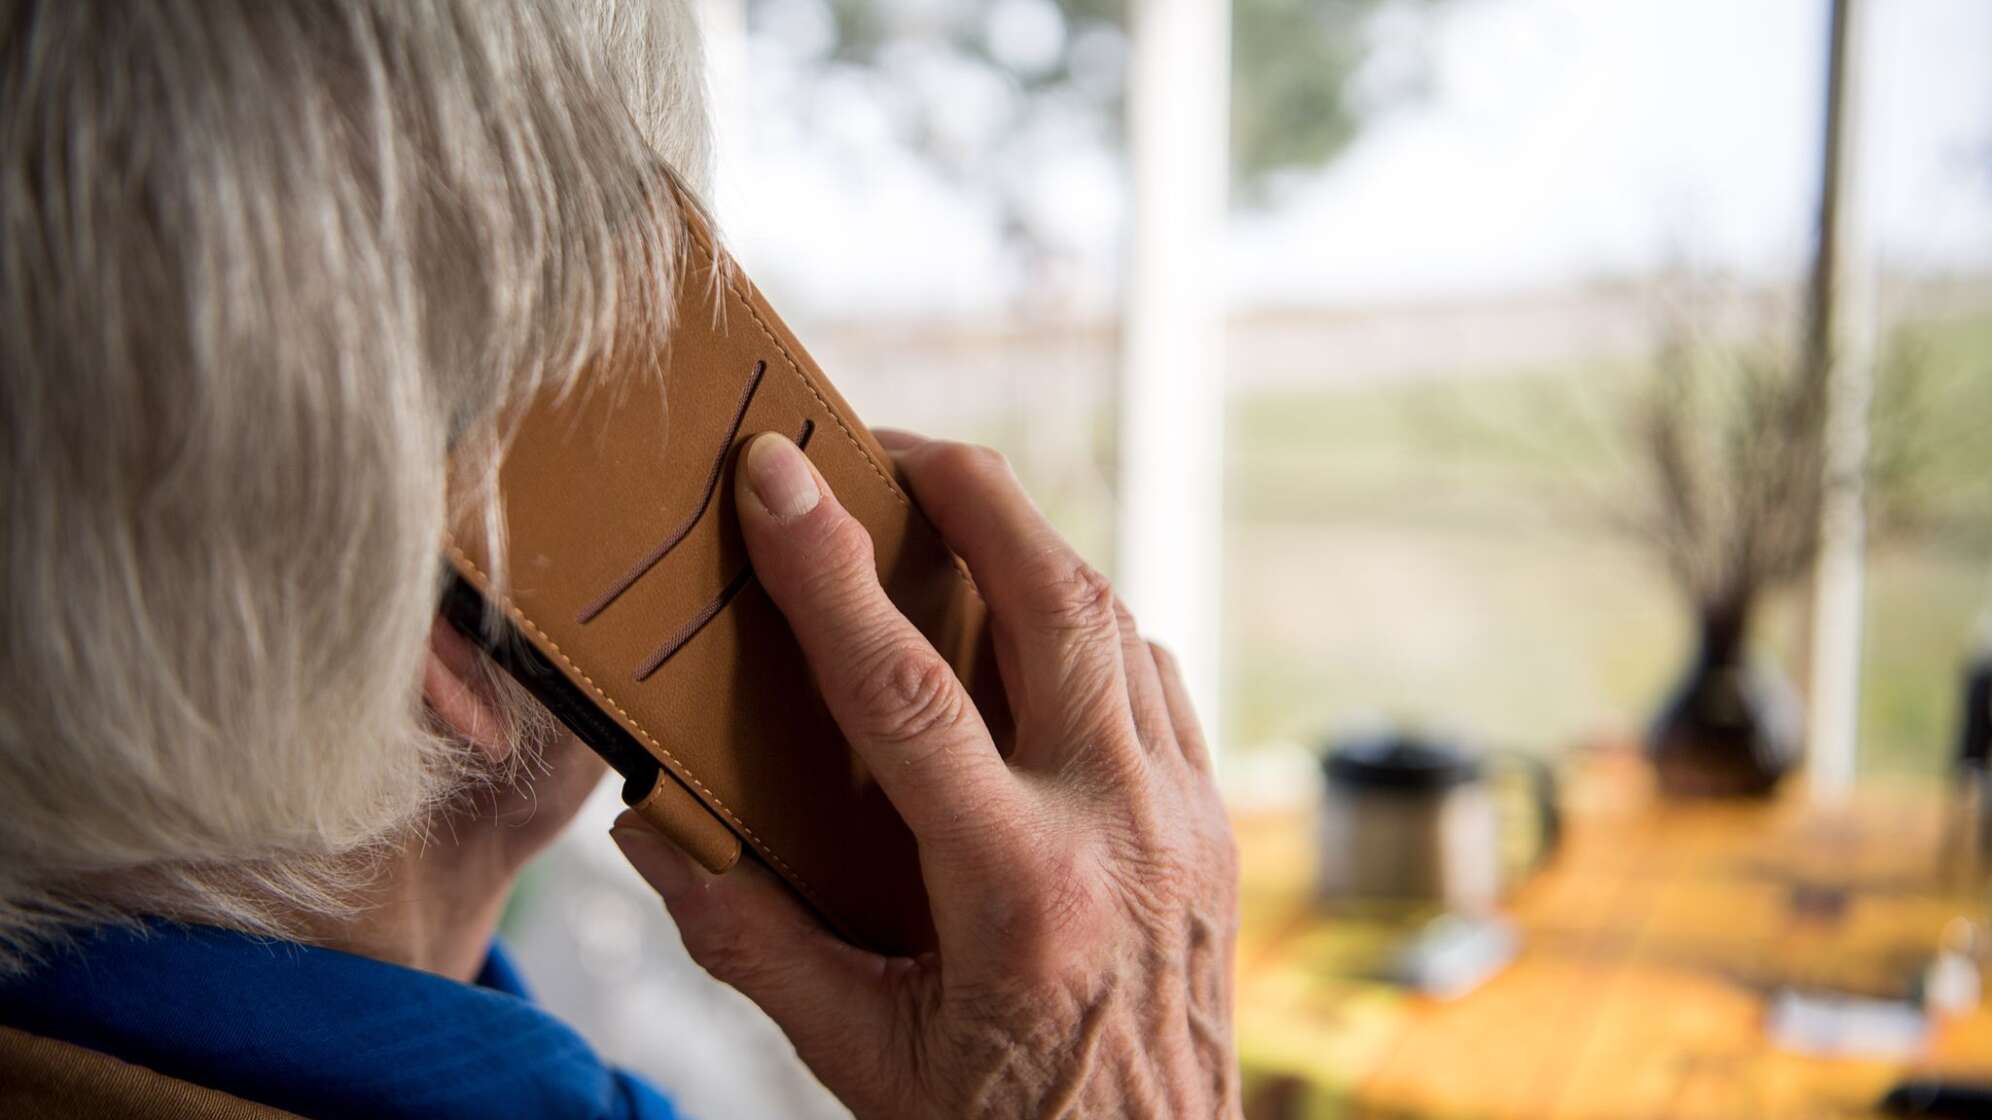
266	269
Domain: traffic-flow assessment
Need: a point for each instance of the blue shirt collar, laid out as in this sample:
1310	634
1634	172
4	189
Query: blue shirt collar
320	1032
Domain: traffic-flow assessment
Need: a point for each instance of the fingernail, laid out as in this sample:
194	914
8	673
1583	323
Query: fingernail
780	477
661	864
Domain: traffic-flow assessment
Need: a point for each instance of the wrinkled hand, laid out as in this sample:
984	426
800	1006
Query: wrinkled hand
1083	891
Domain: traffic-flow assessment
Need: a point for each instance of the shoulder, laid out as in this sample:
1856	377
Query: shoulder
47	1079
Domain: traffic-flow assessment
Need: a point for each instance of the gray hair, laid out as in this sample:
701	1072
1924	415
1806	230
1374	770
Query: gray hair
268	272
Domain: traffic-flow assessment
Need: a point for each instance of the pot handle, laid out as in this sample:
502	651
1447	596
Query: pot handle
1543	794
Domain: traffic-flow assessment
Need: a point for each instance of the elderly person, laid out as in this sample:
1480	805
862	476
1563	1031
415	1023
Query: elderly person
270	274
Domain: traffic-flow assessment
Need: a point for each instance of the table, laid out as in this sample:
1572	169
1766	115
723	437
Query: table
1650	946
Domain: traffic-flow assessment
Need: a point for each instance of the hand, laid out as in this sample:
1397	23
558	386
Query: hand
1083	893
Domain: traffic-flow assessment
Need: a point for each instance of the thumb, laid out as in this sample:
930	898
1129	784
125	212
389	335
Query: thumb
834	1001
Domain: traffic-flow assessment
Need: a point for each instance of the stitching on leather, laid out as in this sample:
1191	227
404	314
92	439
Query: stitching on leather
670	759
733	287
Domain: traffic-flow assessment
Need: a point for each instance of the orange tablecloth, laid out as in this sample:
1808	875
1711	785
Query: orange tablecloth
1650	947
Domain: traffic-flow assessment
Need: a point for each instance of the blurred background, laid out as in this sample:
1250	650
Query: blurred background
1452	383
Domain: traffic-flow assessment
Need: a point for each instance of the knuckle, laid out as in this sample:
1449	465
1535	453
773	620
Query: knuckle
847	548
1226	843
718	949
1142	828
843	561
1067	896
1209	856
1217	846
1057	906
1073	595
908	694
1226	858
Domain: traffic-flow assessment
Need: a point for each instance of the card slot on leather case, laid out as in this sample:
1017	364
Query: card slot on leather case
630	608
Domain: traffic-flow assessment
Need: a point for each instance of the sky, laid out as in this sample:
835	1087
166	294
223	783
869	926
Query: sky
1559	141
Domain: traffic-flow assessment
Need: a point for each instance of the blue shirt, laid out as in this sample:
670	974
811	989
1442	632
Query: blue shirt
319	1032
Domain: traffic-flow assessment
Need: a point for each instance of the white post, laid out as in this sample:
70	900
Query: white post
1172	400
1843	338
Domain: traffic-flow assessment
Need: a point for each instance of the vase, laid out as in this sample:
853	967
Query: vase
1733	726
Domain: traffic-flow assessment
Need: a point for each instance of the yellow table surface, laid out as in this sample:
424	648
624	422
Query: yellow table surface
1650	945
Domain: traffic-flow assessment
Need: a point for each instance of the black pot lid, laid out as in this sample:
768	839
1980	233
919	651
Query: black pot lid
1399	761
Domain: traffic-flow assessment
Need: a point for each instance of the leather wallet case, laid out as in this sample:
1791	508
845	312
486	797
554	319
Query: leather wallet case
631	610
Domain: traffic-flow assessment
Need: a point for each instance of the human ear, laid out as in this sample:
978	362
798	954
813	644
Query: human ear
455	688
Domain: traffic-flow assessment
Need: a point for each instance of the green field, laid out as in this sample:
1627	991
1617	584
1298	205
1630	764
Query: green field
1433	551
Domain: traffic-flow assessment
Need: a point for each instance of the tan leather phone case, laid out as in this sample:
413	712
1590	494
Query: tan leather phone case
632	611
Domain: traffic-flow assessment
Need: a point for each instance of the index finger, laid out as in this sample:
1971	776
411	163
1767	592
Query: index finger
1058	634
895	698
